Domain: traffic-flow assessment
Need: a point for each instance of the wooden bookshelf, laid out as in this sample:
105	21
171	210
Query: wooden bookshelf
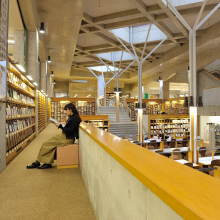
20	112
41	111
85	106
102	124
156	107
175	106
171	124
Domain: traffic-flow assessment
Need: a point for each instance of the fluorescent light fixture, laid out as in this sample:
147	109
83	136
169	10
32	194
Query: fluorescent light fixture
11	41
21	68
75	95
29	77
35	83
49	60
42	91
46	95
79	81
42	27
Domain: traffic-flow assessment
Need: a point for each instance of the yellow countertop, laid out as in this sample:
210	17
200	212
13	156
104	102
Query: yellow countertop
190	193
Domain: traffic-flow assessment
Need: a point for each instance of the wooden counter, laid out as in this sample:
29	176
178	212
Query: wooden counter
190	193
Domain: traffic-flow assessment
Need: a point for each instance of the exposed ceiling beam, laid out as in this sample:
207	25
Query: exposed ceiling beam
174	19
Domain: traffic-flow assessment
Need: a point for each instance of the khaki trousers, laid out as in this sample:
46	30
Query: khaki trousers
47	151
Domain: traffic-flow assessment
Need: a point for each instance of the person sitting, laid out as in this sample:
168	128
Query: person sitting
158	137
151	137
69	132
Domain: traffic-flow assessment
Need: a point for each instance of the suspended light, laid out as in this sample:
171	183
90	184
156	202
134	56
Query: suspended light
54	82
42	27
52	74
49	60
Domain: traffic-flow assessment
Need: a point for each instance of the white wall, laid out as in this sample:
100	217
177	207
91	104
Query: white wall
204	128
213	66
211	96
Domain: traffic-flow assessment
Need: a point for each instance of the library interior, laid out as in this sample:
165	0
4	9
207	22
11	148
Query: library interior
144	78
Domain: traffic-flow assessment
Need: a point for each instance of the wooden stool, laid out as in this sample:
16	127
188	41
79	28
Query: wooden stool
68	156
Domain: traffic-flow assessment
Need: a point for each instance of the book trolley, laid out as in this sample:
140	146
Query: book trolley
20	112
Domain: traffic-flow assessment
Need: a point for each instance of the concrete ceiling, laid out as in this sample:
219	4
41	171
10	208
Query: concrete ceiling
77	31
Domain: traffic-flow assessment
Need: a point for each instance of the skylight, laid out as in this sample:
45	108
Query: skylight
139	33
103	68
176	3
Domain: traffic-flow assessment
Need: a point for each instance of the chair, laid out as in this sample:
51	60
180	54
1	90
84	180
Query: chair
175	157
153	143
130	139
211	173
189	164
150	147
184	142
215	163
200	155
175	152
158	151
208	153
172	142
202	152
165	143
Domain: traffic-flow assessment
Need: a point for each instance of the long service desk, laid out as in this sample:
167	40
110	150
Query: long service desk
126	181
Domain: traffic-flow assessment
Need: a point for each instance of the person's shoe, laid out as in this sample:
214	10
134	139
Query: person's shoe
45	166
35	164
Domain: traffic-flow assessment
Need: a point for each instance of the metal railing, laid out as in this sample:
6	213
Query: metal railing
126	108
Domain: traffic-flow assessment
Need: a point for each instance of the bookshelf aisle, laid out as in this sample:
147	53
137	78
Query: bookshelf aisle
20	112
41	111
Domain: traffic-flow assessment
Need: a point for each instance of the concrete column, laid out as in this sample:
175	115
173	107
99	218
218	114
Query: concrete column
100	88
2	138
166	90
3	74
161	89
43	78
32	55
143	96
48	91
19	48
117	107
211	135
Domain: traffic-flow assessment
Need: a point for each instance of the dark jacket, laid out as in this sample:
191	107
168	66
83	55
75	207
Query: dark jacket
71	129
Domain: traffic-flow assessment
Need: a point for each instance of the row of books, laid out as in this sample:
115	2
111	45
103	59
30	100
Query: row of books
12	78
18	124
13	110
12	142
15	95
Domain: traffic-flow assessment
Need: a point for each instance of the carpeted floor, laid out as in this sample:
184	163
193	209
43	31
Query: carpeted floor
42	194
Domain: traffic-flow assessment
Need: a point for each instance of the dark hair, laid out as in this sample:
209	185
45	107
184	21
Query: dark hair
72	107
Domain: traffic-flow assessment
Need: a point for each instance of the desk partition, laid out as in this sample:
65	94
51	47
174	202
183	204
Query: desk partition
127	181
